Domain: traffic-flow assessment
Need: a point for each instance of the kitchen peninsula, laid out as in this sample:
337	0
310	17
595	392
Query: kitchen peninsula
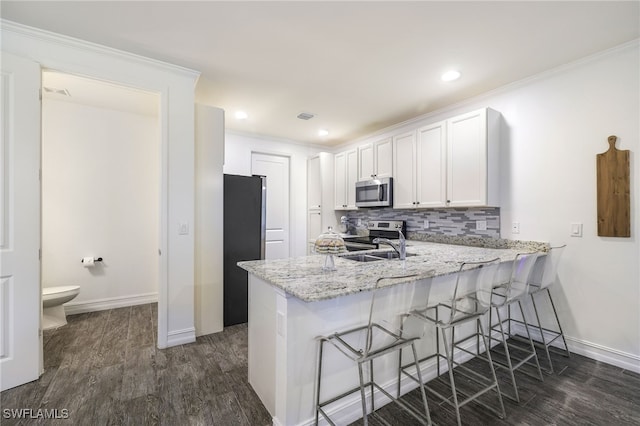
292	301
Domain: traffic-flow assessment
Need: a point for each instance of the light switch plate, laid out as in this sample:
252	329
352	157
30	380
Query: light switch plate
576	230
183	228
426	224
515	228
481	225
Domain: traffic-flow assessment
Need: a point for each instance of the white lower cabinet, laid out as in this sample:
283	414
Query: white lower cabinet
314	227
452	163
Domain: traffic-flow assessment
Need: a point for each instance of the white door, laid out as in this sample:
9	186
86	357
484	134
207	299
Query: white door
20	305
276	169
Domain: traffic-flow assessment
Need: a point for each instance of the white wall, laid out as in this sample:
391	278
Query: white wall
554	124
100	197
66	54
209	235
238	149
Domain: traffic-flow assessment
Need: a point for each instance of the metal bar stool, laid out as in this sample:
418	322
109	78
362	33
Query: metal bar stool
548	277
364	344
504	295
470	301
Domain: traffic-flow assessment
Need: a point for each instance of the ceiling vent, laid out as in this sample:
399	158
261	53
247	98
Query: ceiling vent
305	116
63	92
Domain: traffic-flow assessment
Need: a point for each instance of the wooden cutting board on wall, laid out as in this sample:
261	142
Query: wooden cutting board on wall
614	204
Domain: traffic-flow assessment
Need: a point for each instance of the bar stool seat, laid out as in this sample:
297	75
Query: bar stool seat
363	345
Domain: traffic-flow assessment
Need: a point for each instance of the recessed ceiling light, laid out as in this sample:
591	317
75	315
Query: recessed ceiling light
323	132
241	115
450	75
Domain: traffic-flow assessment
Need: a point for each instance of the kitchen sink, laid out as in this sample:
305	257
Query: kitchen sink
389	255
362	257
372	257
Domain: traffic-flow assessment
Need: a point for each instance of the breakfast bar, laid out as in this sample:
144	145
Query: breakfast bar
292	301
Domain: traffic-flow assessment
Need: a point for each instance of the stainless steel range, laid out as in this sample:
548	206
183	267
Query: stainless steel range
377	229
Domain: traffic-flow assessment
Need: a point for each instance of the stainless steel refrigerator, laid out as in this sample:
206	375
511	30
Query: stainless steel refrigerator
244	239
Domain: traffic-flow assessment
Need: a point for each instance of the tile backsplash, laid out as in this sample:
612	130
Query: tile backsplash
453	221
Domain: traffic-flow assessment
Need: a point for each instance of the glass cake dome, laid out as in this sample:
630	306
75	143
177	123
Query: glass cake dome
329	243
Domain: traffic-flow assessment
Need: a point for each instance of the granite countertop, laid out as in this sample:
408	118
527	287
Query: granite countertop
304	278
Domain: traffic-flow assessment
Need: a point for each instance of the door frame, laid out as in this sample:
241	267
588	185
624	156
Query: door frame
82	58
292	230
162	285
162	185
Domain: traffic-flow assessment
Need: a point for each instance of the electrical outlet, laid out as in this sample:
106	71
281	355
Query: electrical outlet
515	228
481	225
426	225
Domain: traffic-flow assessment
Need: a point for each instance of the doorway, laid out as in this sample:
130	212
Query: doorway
276	169
101	194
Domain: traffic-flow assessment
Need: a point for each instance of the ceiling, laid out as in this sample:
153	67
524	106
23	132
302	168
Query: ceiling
70	88
358	66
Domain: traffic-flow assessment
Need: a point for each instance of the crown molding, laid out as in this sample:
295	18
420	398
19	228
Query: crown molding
75	43
633	44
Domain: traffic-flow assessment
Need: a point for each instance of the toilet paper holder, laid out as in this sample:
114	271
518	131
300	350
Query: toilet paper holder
97	259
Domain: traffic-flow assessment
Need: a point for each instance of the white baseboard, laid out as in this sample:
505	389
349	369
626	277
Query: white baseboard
110	303
591	350
181	337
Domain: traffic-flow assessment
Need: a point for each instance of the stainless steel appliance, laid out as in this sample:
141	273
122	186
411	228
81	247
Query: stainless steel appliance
244	239
374	193
377	229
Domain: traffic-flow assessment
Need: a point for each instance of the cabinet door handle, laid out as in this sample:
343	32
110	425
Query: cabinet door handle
417	202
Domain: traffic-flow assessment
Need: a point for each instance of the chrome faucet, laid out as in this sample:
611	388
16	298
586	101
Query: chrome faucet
401	248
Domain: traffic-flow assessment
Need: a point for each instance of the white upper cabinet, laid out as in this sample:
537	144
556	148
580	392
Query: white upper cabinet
346	175
375	159
472	159
404	179
431	161
420	165
320	196
314	183
452	163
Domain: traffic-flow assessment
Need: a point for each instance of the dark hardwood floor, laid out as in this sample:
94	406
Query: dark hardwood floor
580	392
104	368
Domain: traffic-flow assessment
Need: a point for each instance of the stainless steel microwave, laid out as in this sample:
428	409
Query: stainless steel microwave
374	193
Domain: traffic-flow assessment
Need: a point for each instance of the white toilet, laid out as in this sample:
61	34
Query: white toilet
53	315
